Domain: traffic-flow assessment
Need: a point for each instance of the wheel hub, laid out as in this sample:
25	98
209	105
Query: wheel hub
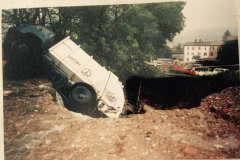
82	96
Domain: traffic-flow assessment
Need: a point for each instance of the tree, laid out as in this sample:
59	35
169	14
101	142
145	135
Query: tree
225	35
178	47
228	53
120	37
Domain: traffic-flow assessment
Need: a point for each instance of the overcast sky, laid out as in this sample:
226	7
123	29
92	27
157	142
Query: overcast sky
210	13
208	20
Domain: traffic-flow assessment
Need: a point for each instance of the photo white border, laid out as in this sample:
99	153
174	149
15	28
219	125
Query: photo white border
11	4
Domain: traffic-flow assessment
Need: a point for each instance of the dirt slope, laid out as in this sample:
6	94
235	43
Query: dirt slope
36	127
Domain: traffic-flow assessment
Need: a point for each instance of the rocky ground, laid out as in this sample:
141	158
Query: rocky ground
37	127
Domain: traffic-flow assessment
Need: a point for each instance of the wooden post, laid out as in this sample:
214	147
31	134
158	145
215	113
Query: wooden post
139	91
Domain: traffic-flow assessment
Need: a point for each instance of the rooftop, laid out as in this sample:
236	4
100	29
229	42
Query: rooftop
219	43
177	51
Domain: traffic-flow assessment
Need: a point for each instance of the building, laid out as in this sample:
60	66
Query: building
177	54
195	50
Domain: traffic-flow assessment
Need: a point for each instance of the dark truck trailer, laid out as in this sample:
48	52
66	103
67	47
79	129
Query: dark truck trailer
23	50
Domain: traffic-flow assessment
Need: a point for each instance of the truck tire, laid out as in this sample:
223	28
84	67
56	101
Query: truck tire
82	98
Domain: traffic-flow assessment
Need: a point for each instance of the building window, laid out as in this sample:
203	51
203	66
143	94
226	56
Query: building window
199	48
188	48
188	53
205	54
211	48
192	53
187	59
205	48
211	54
192	48
199	53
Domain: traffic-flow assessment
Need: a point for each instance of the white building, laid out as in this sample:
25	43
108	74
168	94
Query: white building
195	50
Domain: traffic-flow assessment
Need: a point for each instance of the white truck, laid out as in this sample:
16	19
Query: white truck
92	83
85	85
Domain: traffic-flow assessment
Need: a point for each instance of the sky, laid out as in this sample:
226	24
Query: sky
204	17
208	15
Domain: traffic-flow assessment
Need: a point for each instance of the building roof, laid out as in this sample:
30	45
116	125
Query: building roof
204	43
177	51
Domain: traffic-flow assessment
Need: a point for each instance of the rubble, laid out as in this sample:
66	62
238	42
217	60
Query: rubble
191	151
224	104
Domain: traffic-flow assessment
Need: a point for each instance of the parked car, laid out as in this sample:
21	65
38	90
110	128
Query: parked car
220	70
200	71
207	71
180	70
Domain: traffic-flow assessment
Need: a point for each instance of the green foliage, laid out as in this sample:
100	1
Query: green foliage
120	37
178	47
228	53
226	34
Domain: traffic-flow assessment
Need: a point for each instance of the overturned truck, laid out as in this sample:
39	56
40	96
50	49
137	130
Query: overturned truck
84	84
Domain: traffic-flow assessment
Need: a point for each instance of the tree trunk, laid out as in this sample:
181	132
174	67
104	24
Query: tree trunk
39	16
27	16
59	15
43	16
21	20
35	16
60	21
70	28
15	16
50	18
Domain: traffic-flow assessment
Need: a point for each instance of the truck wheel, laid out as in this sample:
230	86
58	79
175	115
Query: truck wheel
82	97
